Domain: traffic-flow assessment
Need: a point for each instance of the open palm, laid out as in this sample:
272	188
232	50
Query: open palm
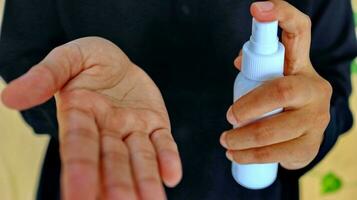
115	135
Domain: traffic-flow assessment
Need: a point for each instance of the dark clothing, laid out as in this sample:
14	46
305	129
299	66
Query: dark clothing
187	47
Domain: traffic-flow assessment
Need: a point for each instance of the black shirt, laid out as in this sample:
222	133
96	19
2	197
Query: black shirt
187	47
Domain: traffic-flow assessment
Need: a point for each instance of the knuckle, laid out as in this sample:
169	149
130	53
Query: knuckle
313	154
307	21
326	88
309	152
306	158
74	57
262	133
325	119
326	91
283	91
304	24
259	155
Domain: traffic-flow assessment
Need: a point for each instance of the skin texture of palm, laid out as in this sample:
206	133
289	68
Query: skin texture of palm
115	134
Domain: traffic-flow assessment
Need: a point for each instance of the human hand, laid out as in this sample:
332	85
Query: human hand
114	130
294	136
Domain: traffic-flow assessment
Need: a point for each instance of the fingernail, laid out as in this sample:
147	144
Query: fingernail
230	117
229	155
264	6
223	140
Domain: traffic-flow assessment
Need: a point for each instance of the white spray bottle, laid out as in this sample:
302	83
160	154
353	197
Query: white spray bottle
262	60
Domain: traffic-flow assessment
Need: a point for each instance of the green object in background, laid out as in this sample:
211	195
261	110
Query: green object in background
330	183
355	18
354	67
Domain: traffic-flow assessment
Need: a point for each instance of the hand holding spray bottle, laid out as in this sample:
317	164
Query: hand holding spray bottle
262	60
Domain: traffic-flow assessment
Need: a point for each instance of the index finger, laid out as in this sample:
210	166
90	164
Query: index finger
285	92
296	28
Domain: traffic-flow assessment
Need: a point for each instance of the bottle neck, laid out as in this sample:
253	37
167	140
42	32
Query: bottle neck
262	67
264	48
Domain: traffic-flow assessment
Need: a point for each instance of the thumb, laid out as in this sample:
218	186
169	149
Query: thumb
296	34
43	80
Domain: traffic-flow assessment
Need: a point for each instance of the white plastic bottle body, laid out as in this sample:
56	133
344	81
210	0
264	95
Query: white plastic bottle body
252	176
262	60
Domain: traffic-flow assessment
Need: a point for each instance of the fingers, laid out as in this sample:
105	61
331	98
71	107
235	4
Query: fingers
168	155
266	131
145	167
291	154
296	31
117	178
286	92
267	154
45	79
79	154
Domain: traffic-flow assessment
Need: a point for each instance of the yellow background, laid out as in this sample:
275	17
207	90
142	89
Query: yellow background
21	154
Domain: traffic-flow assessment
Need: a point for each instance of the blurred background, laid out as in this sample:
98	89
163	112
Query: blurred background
21	154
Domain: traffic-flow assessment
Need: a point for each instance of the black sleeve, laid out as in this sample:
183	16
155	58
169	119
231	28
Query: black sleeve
333	48
29	31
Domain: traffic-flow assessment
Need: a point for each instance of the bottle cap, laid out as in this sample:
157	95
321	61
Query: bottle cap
263	54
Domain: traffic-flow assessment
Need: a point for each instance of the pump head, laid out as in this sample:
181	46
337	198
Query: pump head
263	54
264	39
